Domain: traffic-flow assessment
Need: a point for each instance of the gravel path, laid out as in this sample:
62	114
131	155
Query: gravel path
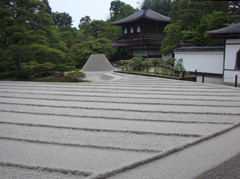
104	128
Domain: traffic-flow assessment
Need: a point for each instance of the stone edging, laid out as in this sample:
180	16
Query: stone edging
159	76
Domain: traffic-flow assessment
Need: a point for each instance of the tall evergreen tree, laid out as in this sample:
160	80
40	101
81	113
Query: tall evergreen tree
119	10
62	19
22	23
194	18
48	8
115	9
161	6
84	21
25	29
188	11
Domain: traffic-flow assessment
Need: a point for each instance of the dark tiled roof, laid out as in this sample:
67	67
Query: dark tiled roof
194	48
226	30
231	31
143	13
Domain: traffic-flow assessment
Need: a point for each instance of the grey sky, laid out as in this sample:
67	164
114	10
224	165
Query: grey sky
96	9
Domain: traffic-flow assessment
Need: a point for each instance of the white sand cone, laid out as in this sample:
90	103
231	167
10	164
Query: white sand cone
97	62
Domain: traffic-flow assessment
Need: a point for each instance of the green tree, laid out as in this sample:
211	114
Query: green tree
163	7
173	32
22	24
119	10
136	63
61	68
100	29
68	35
83	22
124	11
188	11
147	64
42	54
192	37
48	8
115	9
178	67
62	19
81	52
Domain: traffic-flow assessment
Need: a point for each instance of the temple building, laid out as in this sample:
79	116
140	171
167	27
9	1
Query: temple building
142	33
231	56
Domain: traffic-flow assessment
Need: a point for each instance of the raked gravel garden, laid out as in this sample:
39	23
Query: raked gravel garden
105	128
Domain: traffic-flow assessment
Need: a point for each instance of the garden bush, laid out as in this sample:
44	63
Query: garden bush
156	62
170	61
61	69
147	64
6	75
45	69
178	68
76	75
71	68
136	63
25	73
157	70
39	70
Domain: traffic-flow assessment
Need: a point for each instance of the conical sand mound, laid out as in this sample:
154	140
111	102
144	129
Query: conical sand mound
97	62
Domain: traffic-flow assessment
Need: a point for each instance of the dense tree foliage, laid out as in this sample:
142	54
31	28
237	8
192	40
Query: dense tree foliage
163	7
48	8
62	19
84	21
31	35
23	24
192	18
81	51
119	10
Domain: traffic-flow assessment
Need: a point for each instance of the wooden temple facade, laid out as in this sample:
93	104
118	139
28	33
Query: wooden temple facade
142	33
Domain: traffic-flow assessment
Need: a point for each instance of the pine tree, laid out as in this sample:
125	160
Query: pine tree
48	8
24	28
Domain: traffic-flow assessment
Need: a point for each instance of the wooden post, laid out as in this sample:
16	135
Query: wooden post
203	78
236	79
196	75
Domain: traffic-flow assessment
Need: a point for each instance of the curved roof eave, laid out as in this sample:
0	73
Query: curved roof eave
143	13
234	29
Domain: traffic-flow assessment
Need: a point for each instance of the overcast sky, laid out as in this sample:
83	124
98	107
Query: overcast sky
96	9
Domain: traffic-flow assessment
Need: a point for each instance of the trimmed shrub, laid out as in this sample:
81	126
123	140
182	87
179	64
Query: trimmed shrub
157	70
71	68
25	73
147	64
61	69
39	70
178	68
170	61
156	62
136	63
76	75
6	75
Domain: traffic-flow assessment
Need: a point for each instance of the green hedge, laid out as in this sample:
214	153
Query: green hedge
6	75
25	73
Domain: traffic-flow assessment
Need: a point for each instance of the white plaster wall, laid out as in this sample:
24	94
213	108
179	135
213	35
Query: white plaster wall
229	76
232	46
205	62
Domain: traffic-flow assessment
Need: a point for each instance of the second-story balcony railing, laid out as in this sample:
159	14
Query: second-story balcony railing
142	36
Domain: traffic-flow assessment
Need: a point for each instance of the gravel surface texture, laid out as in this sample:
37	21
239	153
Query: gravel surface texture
116	126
